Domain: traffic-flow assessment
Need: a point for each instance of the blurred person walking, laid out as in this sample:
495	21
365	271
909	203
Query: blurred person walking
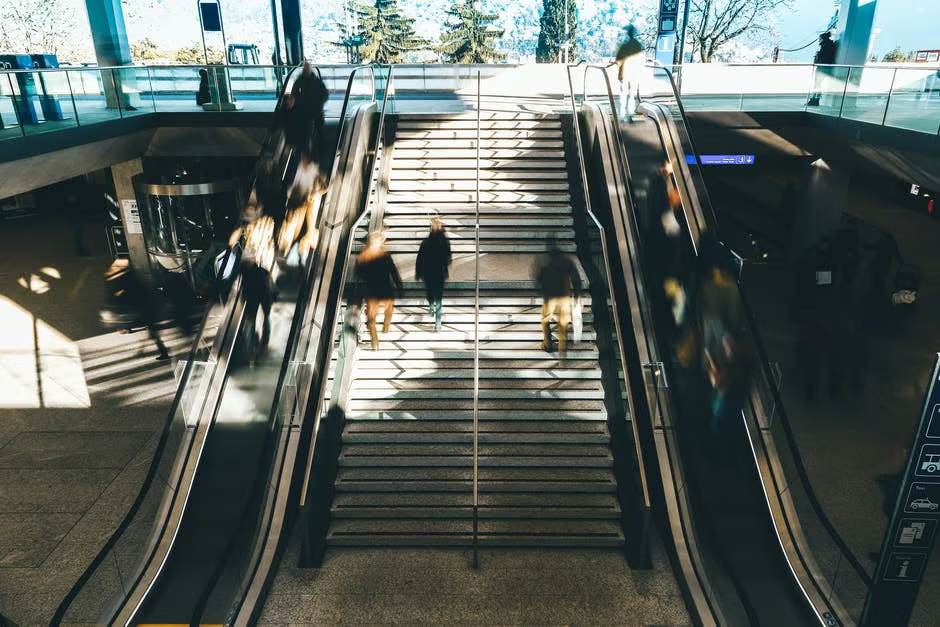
304	118
825	56
432	266
258	269
379	282
630	59
133	302
558	280
203	96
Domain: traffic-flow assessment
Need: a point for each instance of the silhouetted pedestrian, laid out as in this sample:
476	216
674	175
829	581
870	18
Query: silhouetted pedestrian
629	59
559	281
258	282
380	283
304	118
826	57
432	266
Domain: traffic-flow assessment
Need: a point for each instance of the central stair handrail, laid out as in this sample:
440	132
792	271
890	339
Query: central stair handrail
476	349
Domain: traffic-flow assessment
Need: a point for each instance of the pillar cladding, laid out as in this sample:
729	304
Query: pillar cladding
106	19
293	35
819	210
123	175
856	18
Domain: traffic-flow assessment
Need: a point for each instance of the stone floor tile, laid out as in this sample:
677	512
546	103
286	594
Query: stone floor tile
58	449
27	539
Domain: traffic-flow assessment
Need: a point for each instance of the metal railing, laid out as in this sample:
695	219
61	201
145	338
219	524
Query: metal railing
844	582
476	348
896	96
645	502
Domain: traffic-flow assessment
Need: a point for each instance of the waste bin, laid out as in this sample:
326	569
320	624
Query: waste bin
51	108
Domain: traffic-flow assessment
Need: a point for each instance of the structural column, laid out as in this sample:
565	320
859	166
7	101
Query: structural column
856	18
293	35
123	175
106	19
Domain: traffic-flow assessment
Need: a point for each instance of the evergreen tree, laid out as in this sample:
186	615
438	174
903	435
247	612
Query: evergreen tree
469	38
552	30
387	34
350	37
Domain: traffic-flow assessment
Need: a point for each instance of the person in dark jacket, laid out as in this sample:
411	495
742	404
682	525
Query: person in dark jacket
559	281
825	56
629	59
203	96
257	268
379	283
432	266
304	113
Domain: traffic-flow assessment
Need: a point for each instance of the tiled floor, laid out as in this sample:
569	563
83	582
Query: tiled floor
439	586
79	409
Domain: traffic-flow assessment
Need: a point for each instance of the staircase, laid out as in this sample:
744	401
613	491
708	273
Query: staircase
545	468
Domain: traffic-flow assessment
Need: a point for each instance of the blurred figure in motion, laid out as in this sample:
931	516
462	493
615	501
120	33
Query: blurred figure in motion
257	269
725	356
379	282
203	96
303	124
299	225
826	56
133	302
432	266
558	279
630	59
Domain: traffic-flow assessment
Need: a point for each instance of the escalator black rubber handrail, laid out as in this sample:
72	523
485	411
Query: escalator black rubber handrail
297	325
638	451
128	518
252	614
317	399
652	355
712	221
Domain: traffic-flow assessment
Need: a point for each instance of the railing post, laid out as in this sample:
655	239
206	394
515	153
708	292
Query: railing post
153	95
68	81
845	90
118	94
894	77
476	351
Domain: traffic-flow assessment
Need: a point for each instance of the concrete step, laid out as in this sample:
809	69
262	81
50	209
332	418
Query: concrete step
486	113
486	247
464	449
408	184
496	500
420	222
496	386
466	438
499	142
357	406
516	541
515	428
432	462
489	124
423	485
440	162
453	319
461	134
553	374
485	175
484	415
502	209
437	526
387	355
485	197
484	513
462	235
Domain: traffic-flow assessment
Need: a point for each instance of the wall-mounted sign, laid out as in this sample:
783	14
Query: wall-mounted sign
722	159
131	215
909	539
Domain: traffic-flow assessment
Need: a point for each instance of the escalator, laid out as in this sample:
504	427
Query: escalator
199	543
750	542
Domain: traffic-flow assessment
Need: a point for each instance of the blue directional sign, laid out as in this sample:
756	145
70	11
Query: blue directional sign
722	159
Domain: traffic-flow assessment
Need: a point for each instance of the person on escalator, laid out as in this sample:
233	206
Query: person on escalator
432	266
304	117
203	96
559	281
379	283
258	267
629	59
725	357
